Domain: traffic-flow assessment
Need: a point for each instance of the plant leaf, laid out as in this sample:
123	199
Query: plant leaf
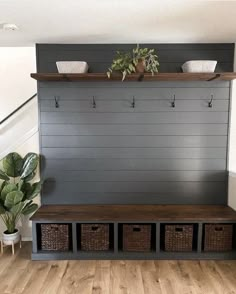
13	198
2	209
29	209
35	190
12	164
26	189
3	176
30	177
30	164
17	209
7	189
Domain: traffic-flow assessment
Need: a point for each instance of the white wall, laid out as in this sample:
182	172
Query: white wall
232	146
16	86
20	133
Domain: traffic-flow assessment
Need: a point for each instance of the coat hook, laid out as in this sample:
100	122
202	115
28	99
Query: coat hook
173	103
133	103
210	102
56	101
94	102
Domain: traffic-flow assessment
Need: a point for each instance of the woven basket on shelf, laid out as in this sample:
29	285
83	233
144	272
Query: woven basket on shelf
218	237
95	237
178	237
136	237
55	237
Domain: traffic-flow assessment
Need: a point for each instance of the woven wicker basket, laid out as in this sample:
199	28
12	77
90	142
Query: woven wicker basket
178	238
95	237
218	237
136	237
55	237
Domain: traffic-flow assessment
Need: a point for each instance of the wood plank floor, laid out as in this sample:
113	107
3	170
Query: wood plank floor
18	274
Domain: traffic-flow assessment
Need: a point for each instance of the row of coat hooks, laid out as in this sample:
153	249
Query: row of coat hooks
173	103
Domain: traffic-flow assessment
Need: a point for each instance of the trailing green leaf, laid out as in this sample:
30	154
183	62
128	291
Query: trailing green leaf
126	62
12	164
30	164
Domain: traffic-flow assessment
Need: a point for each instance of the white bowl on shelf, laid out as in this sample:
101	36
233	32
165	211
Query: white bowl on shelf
72	66
199	66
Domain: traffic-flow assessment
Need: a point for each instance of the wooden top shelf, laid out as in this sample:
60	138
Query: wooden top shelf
56	77
136	213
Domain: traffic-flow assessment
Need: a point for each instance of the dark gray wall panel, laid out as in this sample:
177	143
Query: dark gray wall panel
134	176
135	118
147	90
194	193
135	164
99	56
145	105
150	154
135	141
126	129
168	153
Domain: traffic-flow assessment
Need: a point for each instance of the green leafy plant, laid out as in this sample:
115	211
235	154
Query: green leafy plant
127	63
16	191
123	62
149	58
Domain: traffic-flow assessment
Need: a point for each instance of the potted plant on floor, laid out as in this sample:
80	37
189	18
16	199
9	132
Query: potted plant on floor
140	60
16	192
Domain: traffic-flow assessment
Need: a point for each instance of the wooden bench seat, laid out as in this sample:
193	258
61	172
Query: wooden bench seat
134	213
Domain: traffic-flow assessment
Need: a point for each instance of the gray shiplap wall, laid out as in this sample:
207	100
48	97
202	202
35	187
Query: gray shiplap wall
150	154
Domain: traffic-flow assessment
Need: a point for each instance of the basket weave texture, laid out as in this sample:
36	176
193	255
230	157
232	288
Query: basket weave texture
55	237
136	237
178	238
95	237
218	237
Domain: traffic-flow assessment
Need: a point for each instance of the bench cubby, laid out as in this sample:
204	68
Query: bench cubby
105	224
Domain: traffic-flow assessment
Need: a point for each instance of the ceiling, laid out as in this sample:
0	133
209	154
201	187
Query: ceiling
117	21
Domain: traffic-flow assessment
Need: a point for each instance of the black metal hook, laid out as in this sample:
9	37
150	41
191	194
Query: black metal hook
173	103
133	103
210	104
56	101
94	102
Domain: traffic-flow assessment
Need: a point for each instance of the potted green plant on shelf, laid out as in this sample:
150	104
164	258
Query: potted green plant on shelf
123	62
16	192
140	60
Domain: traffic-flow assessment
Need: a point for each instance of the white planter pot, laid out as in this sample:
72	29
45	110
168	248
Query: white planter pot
9	238
199	66
72	67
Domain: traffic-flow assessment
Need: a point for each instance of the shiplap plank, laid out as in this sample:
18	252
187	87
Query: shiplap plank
107	105
134	164
134	141
141	91
161	153
134	176
135	118
139	129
